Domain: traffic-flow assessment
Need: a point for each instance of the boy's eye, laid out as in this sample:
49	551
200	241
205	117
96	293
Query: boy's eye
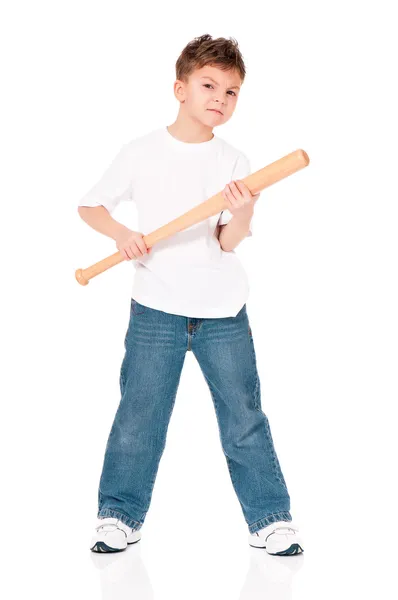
212	86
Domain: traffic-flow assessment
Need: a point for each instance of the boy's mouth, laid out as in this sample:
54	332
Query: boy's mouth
215	110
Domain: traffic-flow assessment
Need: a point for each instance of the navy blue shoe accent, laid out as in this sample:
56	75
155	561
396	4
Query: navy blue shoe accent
102	547
294	549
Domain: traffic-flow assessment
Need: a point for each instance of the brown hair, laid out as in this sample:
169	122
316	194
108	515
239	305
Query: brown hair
204	50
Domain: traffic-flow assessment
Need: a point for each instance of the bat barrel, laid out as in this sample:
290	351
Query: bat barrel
276	171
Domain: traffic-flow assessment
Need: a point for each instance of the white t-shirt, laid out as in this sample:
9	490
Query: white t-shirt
188	273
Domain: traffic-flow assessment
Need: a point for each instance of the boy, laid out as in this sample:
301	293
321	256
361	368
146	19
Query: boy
189	294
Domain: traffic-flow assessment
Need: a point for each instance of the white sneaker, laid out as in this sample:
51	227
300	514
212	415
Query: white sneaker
111	535
280	538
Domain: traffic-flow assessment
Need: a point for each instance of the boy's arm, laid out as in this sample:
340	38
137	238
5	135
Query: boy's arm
231	234
114	186
99	219
231	230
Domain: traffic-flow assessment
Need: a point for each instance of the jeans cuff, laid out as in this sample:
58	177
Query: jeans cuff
109	512
280	516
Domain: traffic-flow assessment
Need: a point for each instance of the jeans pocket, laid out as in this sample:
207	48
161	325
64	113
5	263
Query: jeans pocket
137	308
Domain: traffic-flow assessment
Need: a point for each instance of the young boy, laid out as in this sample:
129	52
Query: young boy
189	294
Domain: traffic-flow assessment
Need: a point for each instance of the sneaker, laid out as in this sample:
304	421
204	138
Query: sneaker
111	535
280	538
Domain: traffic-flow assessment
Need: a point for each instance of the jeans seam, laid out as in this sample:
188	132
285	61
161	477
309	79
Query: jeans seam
218	422
257	405
227	458
277	470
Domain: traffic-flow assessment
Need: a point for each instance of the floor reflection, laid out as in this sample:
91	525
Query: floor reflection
270	577
123	575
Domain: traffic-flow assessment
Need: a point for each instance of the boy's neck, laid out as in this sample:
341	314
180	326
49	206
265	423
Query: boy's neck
186	129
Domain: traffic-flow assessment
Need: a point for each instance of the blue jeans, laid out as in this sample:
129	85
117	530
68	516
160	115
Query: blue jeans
155	346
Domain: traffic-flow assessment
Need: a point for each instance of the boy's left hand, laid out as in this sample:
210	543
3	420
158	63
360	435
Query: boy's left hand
239	198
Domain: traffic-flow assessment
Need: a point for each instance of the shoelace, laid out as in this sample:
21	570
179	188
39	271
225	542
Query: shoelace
108	526
285	527
276	530
288	527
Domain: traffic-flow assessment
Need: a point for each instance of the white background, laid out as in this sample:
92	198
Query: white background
79	80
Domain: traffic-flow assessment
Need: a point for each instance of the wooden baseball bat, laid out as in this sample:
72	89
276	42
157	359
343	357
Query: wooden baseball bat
257	181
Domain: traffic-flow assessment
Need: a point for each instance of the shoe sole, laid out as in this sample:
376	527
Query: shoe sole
101	547
293	549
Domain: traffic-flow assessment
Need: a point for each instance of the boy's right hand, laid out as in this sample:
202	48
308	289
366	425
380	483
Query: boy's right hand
131	244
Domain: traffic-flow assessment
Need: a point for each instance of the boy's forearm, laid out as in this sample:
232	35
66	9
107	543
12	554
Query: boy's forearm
99	219
234	232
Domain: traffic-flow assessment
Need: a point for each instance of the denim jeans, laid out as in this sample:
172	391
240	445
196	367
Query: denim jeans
156	343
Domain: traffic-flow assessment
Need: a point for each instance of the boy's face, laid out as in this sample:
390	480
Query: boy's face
207	89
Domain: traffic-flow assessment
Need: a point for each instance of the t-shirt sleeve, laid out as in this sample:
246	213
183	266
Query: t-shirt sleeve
240	171
115	185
